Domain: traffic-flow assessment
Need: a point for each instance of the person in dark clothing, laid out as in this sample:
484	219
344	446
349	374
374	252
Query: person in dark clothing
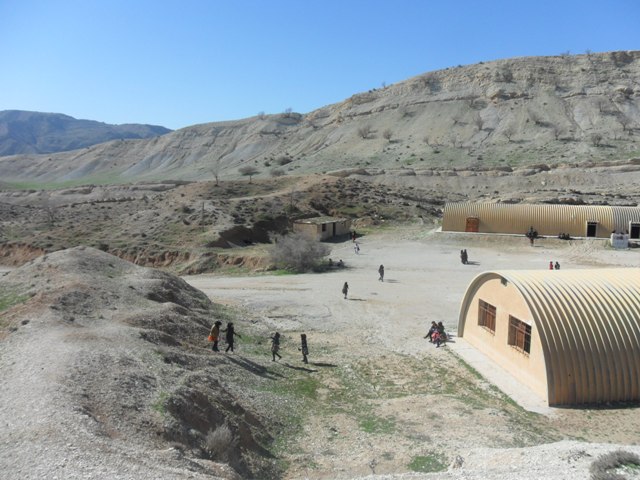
230	333
215	335
275	346
304	348
345	289
432	330
557	266
381	272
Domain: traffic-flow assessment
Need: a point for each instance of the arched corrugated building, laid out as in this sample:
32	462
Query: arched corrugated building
572	336
547	219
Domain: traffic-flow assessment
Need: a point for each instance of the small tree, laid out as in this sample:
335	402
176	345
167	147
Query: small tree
387	135
215	168
364	131
296	252
248	171
277	172
596	139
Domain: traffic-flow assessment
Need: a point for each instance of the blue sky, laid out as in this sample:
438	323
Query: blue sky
179	63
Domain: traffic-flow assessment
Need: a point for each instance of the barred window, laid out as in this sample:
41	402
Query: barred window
519	335
487	316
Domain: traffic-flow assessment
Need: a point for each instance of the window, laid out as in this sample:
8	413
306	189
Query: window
519	335
487	316
324	227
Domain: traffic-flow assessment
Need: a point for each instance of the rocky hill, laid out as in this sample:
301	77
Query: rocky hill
556	110
35	132
105	375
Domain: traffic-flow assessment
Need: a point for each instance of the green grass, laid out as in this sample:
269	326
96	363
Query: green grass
160	405
373	424
433	462
9	299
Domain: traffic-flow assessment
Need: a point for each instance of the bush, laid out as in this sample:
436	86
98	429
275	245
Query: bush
612	465
297	253
220	442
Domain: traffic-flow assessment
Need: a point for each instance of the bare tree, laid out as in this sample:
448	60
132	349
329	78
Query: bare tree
624	121
509	132
558	131
216	168
426	140
387	135
287	112
248	171
296	252
50	210
596	139
478	122
364	131
261	115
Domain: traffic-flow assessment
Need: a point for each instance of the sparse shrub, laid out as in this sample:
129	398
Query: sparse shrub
596	139
612	465
296	252
284	160
364	131
387	135
277	172
220	442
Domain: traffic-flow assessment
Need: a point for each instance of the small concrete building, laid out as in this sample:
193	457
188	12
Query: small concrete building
322	228
548	219
571	336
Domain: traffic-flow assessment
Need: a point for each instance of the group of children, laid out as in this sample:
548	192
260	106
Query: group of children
214	337
436	334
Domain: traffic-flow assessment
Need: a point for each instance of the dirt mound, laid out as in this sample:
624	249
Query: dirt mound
114	360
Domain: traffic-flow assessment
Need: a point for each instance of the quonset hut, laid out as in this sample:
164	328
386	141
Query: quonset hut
548	219
573	337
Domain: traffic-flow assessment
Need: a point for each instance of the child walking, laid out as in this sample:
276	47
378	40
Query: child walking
275	346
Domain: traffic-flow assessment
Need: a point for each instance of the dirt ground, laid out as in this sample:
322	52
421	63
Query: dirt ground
414	405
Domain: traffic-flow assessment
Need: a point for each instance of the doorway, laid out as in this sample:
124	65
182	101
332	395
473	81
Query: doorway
592	228
634	230
473	223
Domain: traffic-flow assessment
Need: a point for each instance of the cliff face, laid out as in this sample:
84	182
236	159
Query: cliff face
565	109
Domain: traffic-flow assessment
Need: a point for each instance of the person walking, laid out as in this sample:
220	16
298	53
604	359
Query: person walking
214	335
557	266
356	248
551	265
275	346
230	333
381	272
345	289
303	347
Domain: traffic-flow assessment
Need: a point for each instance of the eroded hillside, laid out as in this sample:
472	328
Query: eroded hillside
564	109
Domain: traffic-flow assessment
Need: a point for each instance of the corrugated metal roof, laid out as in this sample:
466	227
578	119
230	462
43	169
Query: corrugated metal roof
547	219
589	325
321	220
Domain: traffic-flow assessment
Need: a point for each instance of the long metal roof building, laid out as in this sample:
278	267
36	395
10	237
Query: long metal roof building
548	219
583	328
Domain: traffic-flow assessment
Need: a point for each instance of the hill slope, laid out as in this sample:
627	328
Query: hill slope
510	112
24	132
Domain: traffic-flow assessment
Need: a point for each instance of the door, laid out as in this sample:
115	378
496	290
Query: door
472	224
592	228
634	230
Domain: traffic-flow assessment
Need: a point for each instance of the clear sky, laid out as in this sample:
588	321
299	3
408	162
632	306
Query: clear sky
183	62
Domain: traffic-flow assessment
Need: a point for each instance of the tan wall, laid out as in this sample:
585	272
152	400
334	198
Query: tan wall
309	230
547	219
314	231
528	369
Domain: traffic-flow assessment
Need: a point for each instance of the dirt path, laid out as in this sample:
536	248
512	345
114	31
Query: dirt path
375	340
